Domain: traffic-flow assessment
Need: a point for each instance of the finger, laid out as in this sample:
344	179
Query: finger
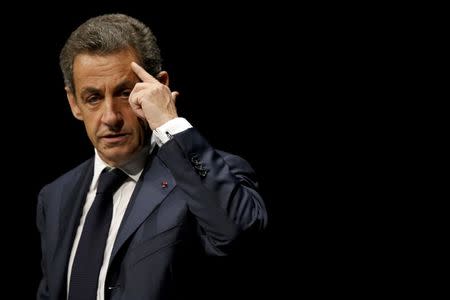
140	86
141	73
135	103
174	96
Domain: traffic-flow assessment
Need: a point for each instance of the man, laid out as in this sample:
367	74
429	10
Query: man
177	199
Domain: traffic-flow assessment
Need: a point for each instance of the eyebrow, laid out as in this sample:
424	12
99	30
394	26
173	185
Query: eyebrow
126	84
88	90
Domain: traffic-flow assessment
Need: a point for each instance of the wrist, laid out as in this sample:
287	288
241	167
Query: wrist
166	131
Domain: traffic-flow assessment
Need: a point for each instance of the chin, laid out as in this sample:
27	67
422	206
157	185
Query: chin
118	155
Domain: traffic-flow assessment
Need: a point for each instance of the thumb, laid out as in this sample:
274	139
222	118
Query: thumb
174	96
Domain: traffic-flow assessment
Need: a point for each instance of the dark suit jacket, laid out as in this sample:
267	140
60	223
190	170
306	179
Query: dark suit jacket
209	202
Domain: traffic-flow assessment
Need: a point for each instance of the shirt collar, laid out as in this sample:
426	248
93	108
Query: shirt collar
132	168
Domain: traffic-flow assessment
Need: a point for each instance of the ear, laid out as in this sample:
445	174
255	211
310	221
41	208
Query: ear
163	77
73	104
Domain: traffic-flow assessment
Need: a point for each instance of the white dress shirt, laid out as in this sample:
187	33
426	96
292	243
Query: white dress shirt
122	196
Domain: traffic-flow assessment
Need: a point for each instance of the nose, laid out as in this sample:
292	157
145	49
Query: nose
112	116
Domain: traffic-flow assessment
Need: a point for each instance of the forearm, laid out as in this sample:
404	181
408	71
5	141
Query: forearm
222	189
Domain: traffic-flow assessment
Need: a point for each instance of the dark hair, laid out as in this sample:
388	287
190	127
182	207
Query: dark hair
108	34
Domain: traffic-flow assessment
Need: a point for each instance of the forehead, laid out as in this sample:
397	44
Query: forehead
95	70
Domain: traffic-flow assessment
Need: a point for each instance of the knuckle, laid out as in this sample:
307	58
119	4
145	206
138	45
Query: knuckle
140	85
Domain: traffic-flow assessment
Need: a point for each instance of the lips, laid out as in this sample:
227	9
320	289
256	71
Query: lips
114	137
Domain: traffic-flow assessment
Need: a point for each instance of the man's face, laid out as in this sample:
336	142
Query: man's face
102	86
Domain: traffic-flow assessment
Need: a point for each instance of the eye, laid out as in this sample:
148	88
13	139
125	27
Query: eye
125	93
92	99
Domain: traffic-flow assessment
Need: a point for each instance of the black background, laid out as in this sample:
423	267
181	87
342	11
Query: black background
273	83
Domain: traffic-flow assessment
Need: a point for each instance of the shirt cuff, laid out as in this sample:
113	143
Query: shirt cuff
165	132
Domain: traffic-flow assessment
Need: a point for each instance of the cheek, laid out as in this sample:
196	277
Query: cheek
140	129
91	121
91	132
131	118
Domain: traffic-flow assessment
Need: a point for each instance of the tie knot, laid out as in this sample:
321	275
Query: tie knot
110	180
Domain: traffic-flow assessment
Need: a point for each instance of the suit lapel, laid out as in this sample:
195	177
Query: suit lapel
71	207
155	184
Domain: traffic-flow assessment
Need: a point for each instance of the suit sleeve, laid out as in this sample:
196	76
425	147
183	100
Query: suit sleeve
222	190
42	292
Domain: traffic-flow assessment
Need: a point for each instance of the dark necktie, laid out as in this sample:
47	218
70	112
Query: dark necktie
91	247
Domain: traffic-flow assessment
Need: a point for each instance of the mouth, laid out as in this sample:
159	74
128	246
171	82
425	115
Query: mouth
115	138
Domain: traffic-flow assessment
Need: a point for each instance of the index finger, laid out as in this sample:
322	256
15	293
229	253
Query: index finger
142	74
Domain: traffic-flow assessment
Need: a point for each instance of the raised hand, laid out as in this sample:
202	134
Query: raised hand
151	99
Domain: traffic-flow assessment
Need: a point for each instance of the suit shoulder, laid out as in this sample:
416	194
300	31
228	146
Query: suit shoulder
68	177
